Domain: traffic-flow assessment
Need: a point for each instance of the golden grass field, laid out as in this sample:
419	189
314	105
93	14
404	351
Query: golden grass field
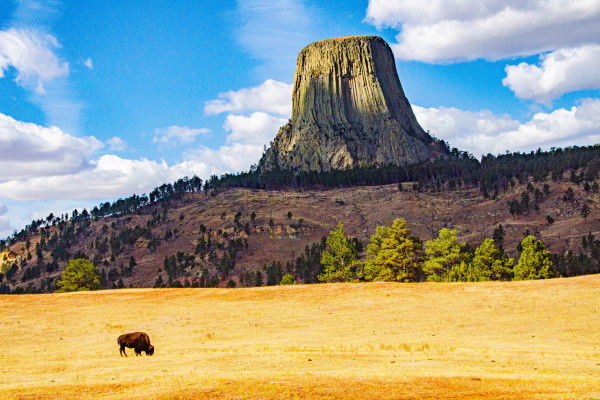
496	340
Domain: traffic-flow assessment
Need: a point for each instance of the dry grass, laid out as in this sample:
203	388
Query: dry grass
516	340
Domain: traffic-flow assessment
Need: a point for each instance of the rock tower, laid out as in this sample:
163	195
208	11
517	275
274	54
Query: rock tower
349	110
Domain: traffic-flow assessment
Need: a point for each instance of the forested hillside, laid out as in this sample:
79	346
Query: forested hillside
252	229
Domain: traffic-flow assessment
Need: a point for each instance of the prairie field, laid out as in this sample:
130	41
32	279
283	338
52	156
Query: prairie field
496	340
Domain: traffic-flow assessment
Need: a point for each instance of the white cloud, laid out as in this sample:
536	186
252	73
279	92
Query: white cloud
181	134
110	176
452	123
115	143
247	137
449	31
88	62
28	150
257	128
270	96
484	132
236	157
32	55
560	72
42	163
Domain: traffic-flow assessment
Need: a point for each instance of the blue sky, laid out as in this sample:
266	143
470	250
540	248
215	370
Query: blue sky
103	99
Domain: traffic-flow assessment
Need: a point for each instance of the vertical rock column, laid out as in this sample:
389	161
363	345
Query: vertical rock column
349	109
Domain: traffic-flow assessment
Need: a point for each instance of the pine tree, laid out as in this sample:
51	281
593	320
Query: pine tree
339	257
535	261
498	237
395	255
80	274
489	264
585	211
444	252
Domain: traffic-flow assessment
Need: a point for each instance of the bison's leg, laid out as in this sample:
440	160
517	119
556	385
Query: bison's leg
122	351
138	352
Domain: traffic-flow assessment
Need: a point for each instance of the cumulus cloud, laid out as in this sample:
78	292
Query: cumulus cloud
450	31
110	176
257	128
28	150
31	54
236	157
181	134
247	137
484	132
57	166
560	72
115	143
270	96
88	62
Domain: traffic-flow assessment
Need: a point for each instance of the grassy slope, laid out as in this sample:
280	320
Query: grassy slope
360	208
508	340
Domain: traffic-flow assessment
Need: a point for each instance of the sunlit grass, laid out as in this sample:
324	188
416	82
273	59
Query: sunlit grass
511	340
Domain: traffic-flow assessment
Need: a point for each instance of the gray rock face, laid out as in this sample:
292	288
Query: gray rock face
349	110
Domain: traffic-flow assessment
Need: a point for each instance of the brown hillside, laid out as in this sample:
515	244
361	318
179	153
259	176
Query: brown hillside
313	214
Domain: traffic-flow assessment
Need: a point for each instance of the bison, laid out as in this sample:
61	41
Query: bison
138	341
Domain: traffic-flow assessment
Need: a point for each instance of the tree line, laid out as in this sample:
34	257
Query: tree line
394	254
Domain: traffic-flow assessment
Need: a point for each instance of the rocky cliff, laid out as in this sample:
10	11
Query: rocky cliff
349	110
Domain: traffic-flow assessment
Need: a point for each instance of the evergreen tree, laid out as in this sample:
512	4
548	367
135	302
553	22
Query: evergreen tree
287	279
488	263
585	211
535	261
80	274
339	257
498	237
444	252
395	255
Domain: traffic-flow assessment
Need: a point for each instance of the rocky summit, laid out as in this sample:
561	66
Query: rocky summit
349	110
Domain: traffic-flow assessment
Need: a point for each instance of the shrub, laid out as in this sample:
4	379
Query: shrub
287	279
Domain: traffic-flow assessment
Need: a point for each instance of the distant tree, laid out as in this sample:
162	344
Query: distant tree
231	283
549	219
534	262
585	211
287	279
546	189
339	257
444	253
569	195
490	264
498	237
273	272
289	215
79	274
259	279
394	254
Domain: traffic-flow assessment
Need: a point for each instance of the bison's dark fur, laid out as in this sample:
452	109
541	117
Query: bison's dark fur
138	341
